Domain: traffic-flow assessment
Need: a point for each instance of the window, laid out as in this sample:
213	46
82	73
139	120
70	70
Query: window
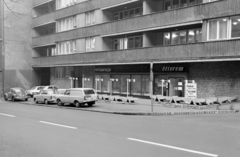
167	5
175	38
90	18
127	42
167	39
65	3
128	13
66	24
183	37
66	47
235	25
218	29
183	3
90	44
176	4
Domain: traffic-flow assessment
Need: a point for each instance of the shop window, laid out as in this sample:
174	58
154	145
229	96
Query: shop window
145	85
235	25
116	83
124	84
136	85
105	84
88	81
59	73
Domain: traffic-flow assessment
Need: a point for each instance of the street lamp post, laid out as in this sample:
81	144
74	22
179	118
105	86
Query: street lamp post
3	47
111	80
128	81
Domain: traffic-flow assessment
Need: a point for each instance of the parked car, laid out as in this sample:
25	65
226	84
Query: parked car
51	87
46	96
16	93
78	97
34	90
61	91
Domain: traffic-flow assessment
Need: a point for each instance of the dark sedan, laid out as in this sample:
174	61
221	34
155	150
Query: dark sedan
16	93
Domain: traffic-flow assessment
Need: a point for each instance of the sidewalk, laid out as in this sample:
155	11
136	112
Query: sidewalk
143	107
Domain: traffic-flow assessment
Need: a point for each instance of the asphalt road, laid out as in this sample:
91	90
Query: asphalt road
38	131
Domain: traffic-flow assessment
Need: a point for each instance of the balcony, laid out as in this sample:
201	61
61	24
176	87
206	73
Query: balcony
198	12
177	53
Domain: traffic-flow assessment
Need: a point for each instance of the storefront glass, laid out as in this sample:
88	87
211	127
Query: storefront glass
145	85
105	84
124	84
159	86
97	83
116	84
136	85
88	81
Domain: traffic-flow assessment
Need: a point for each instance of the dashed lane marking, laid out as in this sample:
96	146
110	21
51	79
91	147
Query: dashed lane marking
173	147
8	115
65	126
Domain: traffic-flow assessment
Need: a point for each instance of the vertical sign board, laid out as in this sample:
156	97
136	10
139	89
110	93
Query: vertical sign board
190	89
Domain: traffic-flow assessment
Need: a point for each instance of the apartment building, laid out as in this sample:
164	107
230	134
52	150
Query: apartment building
131	46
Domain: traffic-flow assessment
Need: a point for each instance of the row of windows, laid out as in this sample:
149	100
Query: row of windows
182	37
174	4
67	24
128	13
66	3
224	28
127	43
66	47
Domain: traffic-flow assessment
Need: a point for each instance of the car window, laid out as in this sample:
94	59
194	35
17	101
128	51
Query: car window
41	92
33	88
76	93
45	92
67	92
55	88
50	87
19	90
39	88
88	91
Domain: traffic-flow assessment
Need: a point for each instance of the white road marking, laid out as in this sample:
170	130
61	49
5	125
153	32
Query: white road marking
172	147
3	114
58	125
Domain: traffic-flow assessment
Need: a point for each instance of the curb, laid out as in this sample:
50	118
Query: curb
142	113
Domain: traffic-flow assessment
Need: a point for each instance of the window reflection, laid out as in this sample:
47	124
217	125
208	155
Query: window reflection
235	22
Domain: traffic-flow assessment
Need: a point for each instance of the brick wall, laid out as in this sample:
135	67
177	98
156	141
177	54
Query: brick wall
216	78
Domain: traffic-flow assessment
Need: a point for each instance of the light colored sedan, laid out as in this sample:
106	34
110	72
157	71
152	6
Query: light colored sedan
46	96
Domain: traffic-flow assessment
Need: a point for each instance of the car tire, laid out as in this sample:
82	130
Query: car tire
46	101
5	98
91	104
77	104
26	99
59	102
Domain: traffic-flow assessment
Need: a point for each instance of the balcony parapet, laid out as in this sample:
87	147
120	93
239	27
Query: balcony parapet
204	51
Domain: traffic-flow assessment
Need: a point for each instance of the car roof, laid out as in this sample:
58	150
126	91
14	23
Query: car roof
80	89
17	88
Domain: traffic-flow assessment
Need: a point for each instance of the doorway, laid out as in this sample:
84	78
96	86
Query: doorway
176	86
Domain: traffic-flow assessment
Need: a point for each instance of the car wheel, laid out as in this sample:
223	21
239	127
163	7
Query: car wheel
46	101
77	104
59	102
26	99
5	98
91	104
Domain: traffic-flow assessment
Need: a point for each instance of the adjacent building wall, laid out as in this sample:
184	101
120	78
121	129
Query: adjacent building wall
18	42
216	78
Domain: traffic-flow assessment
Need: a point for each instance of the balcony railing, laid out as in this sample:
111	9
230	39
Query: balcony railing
204	50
